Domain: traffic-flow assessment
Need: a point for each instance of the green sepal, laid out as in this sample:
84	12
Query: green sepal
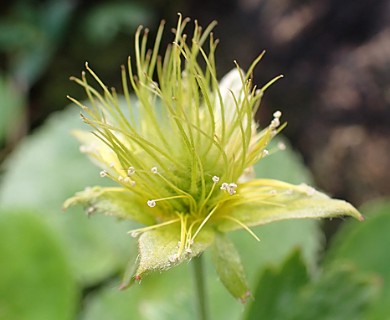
291	202
116	202
228	265
159	249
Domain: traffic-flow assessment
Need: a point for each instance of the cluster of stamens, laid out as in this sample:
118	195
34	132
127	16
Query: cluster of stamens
229	187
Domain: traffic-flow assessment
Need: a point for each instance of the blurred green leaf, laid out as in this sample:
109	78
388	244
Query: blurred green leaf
36	281
106	20
31	34
169	295
12	103
340	293
278	289
367	245
43	171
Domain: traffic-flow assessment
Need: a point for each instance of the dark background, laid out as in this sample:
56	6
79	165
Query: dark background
335	56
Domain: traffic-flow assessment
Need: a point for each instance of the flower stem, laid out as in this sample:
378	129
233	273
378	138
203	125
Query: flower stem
200	288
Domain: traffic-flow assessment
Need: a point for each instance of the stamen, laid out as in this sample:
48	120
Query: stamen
90	210
281	146
277	114
151	203
275	123
137	232
203	223
128	180
103	173
173	258
243	226
215	180
231	188
224	186
130	171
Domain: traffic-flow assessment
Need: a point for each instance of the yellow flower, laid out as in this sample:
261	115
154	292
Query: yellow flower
182	154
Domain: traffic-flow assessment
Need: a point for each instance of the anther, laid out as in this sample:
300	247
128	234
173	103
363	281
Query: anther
103	173
91	210
154	170
265	153
130	171
277	114
112	165
215	179
173	258
231	189
151	203
281	146
275	123
120	178
224	186
134	234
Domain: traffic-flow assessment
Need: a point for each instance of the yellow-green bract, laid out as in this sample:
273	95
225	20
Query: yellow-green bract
182	156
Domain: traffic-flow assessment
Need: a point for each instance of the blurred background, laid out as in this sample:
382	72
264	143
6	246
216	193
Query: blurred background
335	95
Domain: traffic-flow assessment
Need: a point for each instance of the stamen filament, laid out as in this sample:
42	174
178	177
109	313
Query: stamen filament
242	225
136	232
204	222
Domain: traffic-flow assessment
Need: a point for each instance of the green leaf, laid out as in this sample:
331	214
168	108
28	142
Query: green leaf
45	169
36	279
159	249
367	246
278	289
341	292
228	265
117	202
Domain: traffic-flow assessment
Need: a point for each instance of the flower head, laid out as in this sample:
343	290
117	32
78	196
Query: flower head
182	152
